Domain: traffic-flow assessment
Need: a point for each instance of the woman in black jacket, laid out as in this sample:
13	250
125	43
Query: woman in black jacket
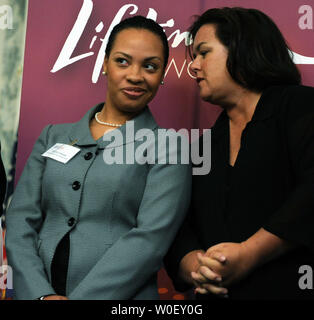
250	226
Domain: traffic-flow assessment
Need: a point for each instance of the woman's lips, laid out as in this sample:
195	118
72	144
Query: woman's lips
199	80
133	92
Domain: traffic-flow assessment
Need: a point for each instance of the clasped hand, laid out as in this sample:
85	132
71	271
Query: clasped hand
221	265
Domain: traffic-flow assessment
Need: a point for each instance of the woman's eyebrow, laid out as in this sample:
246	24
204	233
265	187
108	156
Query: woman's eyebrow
130	57
152	58
123	53
198	47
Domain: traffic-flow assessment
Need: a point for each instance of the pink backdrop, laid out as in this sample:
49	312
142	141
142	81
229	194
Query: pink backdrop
50	96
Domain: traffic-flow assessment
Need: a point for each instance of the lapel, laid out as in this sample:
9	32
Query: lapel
80	131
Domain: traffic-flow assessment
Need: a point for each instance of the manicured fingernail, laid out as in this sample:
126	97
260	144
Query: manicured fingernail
222	258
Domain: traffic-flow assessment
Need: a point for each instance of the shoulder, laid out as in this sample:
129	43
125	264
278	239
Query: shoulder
294	109
172	139
51	133
292	101
291	90
79	127
57	131
171	146
171	133
60	128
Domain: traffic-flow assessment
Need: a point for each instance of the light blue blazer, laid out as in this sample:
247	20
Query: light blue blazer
121	218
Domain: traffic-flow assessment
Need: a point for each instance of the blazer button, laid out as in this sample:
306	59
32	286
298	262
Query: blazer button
88	156
76	185
71	222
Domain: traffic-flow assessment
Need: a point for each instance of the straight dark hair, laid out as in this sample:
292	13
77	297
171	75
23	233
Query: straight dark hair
258	55
139	22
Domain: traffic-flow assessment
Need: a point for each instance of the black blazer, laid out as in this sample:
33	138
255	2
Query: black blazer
271	185
3	183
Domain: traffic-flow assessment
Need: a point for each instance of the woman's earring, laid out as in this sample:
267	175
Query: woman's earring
162	82
104	73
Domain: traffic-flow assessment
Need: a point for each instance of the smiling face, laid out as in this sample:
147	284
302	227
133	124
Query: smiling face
135	69
210	67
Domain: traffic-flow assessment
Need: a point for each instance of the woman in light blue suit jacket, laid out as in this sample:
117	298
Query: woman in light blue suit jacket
90	228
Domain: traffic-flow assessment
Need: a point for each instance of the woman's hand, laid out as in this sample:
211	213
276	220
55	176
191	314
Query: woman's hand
222	265
188	265
234	261
206	279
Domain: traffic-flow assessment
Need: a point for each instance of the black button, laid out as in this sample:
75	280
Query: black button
88	156
71	222
76	185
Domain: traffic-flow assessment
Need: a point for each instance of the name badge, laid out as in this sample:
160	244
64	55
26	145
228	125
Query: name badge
61	152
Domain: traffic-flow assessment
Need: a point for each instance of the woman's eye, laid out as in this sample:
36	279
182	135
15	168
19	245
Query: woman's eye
151	67
122	61
203	53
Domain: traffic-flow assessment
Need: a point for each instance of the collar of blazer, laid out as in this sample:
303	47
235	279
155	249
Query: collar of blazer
80	131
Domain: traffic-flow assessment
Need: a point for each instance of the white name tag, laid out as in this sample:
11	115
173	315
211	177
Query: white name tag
61	152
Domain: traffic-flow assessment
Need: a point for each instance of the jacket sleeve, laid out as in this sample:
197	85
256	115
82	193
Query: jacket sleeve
186	239
294	220
136	256
23	222
184	242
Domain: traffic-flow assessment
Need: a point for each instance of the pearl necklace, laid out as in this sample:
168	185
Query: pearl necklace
106	123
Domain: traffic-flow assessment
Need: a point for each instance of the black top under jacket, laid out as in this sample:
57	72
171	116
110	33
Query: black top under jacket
3	183
271	185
